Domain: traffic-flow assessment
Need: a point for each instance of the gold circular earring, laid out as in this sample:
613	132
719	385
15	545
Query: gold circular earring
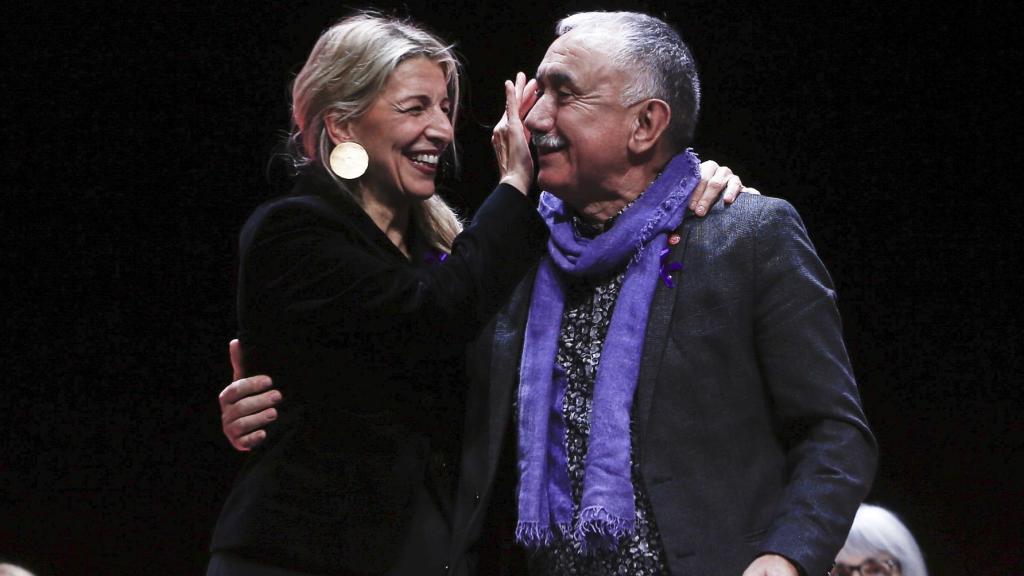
349	160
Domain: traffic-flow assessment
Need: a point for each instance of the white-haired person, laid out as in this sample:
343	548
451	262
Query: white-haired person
356	294
13	570
879	545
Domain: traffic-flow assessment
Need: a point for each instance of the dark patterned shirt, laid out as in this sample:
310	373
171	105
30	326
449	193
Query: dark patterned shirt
585	320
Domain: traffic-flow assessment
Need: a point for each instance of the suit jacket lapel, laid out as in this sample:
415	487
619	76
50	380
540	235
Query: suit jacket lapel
658	323
506	351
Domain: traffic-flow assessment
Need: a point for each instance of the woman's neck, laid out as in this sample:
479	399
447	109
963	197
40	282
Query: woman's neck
391	218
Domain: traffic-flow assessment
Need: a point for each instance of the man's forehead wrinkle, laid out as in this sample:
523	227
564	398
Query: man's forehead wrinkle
573	50
597	44
553	63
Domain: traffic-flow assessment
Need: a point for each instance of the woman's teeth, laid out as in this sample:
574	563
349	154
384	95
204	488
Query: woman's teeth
426	159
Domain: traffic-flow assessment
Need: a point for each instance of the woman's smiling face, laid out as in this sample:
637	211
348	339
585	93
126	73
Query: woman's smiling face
405	131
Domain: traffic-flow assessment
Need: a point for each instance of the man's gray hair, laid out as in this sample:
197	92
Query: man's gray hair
663	65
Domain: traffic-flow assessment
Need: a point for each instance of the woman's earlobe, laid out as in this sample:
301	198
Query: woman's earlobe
338	131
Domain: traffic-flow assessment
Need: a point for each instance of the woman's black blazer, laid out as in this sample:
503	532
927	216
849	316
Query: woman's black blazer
367	349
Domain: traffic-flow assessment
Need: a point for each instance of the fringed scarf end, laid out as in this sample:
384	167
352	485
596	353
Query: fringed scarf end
599	530
533	536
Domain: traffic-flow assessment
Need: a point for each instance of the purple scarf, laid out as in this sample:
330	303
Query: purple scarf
635	242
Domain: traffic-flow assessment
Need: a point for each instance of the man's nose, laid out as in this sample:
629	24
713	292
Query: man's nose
540	119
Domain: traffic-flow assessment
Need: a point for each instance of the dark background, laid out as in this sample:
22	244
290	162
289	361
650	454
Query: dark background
138	137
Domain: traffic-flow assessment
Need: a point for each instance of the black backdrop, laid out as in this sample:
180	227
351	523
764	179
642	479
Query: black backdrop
139	136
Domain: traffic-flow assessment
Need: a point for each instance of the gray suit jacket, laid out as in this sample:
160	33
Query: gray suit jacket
751	436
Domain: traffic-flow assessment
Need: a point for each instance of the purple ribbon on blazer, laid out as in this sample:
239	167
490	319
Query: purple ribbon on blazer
607	510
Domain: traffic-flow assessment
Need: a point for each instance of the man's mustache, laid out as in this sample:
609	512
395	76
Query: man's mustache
547	141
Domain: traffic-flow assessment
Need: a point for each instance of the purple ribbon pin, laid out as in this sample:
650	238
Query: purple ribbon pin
667	268
434	256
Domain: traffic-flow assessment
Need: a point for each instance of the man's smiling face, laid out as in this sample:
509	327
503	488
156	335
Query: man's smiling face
579	124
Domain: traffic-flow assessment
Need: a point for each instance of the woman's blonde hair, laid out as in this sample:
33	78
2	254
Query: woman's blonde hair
348	67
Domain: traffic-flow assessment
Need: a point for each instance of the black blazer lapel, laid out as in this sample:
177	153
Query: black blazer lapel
506	350
658	322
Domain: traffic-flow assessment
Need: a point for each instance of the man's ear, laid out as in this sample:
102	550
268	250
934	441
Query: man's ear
338	130
652	120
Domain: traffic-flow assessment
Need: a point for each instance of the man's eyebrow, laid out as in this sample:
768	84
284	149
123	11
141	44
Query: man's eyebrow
555	78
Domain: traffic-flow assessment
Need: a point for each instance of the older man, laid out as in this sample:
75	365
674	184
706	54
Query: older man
677	388
683	402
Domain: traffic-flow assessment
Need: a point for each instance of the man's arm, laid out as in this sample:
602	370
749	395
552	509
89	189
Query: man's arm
831	452
246	405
